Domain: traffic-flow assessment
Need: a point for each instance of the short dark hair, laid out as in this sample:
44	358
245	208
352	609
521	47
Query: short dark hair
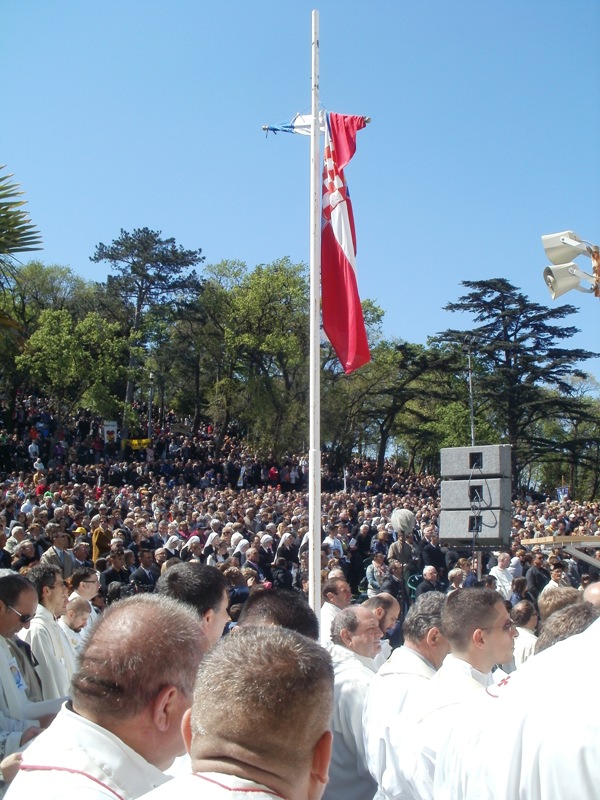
282	607
331	585
522	612
197	585
12	587
79	576
465	611
43	575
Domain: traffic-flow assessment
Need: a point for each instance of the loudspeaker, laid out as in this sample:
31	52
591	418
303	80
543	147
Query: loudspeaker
476	494
485	492
561	279
557	251
490	527
491	461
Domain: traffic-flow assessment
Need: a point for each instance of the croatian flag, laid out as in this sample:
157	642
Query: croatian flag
343	320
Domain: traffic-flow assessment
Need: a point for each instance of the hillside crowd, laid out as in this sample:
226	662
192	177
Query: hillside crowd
197	517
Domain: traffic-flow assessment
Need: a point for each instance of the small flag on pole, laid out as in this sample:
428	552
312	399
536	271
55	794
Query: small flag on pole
343	320
300	124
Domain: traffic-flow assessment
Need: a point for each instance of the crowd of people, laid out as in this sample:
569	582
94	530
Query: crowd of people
193	532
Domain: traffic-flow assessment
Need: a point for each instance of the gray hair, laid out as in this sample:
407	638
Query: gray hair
347	619
425	614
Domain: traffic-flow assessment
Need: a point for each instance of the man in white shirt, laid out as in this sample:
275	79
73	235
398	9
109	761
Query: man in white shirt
134	683
20	717
481	634
356	639
503	576
276	743
421	655
45	637
387	610
511	748
73	621
337	595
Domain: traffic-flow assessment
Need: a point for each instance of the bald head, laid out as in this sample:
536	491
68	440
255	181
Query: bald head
591	594
118	676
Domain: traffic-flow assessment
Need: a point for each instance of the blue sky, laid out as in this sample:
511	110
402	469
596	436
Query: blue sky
131	113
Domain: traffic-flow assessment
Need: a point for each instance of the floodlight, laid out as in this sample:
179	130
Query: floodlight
565	275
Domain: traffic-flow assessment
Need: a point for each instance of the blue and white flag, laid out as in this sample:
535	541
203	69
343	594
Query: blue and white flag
300	124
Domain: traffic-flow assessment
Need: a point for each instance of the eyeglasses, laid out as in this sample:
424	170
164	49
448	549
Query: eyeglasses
24	618
507	627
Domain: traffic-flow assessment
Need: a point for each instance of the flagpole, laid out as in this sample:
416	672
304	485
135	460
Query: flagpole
314	458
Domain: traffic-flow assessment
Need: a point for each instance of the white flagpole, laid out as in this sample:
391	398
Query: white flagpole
314	459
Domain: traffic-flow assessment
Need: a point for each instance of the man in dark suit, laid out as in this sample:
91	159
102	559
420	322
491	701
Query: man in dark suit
145	576
117	571
81	553
537	576
429	582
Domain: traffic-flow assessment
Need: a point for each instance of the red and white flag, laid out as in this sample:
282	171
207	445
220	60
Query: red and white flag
343	320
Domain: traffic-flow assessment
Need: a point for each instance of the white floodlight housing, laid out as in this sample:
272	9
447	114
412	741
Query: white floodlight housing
562	247
564	277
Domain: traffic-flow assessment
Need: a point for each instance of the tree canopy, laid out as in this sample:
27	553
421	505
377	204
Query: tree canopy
229	346
524	372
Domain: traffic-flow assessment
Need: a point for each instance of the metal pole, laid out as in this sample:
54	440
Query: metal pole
314	458
150	401
467	349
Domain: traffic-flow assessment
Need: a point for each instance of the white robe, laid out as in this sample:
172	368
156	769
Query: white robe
75	758
518	746
398	677
416	738
349	776
17	713
52	652
328	613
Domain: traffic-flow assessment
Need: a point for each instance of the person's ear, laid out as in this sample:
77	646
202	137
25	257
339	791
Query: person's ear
432	637
186	729
478	637
164	707
346	637
321	757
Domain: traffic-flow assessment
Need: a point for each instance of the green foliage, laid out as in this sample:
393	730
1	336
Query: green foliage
523	373
388	397
74	362
232	345
154	277
17	233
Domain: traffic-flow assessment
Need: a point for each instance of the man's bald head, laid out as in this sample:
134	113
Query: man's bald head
591	594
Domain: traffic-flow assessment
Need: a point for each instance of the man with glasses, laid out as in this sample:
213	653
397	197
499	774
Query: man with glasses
21	713
481	635
122	728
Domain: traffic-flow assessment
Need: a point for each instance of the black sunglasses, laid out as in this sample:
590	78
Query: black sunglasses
25	618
